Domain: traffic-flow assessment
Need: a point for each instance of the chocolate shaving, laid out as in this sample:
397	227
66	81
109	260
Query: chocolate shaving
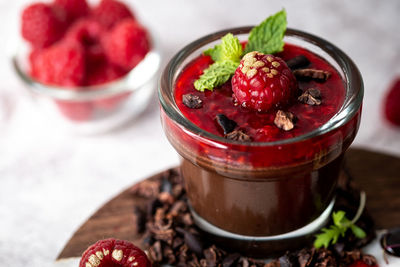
311	96
298	62
226	124
284	120
320	75
238	135
192	101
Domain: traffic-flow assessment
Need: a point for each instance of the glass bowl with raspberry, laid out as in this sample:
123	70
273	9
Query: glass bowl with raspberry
261	136
91	68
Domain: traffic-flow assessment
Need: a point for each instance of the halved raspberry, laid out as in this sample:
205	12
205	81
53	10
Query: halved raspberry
262	82
110	12
76	111
62	64
74	8
112	253
127	44
392	103
42	24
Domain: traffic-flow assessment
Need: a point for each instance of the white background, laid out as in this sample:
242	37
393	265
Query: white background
52	181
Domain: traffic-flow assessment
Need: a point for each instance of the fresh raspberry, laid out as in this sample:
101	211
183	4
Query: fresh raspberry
110	12
42	24
360	263
111	253
73	8
262	82
88	33
392	103
76	111
103	73
127	44
62	64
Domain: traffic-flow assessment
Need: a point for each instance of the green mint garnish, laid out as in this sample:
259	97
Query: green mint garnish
340	226
216	75
229	49
267	37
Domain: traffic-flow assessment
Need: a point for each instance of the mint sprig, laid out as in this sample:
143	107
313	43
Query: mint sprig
216	75
229	49
227	58
341	224
267	37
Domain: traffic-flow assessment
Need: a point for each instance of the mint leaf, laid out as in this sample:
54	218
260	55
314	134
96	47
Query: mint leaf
216	75
327	236
338	217
229	49
358	232
267	37
339	228
215	53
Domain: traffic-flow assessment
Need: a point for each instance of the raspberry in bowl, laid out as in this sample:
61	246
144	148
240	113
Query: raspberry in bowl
91	68
261	134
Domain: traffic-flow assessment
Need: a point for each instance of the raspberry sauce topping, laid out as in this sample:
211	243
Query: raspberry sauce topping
263	97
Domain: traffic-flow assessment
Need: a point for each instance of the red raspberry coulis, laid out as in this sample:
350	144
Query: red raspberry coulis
260	125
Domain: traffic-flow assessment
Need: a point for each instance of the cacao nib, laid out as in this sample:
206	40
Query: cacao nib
192	101
320	75
311	96
298	62
284	120
238	135
226	124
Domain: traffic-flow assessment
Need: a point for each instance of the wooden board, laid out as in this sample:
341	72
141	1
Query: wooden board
377	174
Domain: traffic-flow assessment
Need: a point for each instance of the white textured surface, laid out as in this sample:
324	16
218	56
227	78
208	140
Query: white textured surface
51	181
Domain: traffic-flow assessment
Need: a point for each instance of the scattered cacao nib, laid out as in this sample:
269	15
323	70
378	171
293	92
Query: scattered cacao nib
192	101
320	75
238	135
284	120
226	124
298	62
146	189
172	238
140	219
311	96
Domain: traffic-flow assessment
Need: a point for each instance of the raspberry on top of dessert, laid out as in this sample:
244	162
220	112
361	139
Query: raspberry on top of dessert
271	93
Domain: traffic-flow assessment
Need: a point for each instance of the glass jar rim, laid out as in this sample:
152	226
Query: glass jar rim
353	85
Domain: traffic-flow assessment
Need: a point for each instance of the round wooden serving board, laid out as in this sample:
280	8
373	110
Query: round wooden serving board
377	174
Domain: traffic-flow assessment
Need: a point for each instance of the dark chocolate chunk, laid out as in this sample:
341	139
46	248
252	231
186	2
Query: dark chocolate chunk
230	260
320	75
311	96
238	135
140	219
298	62
284	261
211	257
192	101
193	241
284	120
226	124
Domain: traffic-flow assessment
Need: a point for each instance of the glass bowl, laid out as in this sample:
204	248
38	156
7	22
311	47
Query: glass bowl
262	196
94	109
